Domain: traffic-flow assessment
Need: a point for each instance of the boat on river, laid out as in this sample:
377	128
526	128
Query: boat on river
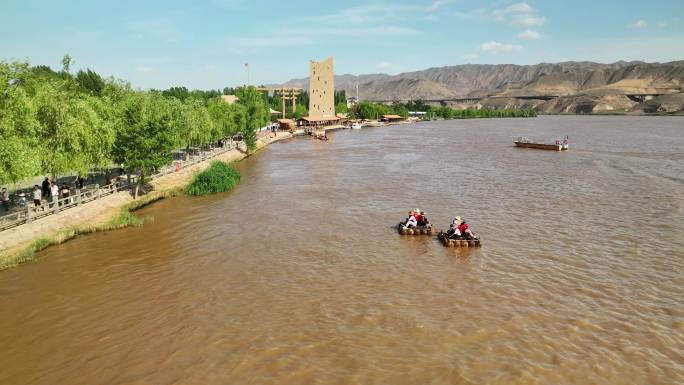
473	242
528	143
356	126
420	230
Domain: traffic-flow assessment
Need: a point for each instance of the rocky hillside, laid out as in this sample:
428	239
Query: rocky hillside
601	87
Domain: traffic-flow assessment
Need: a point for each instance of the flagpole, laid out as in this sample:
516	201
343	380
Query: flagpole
247	67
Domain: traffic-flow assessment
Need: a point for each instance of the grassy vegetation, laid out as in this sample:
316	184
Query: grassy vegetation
125	219
219	177
26	254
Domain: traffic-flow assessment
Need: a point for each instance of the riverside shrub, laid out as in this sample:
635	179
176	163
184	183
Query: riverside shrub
219	177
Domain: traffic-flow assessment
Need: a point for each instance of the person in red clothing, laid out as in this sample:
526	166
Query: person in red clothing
464	229
459	229
422	219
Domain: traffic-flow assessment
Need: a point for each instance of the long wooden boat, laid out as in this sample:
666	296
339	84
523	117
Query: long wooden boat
540	146
526	143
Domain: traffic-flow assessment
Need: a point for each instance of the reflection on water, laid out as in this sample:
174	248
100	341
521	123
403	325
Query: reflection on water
297	276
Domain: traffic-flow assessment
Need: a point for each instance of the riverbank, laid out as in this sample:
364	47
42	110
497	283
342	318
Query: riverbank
20	243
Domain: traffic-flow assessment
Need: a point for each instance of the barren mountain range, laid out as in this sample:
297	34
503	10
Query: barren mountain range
570	87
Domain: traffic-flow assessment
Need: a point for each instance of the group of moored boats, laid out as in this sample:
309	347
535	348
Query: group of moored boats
458	234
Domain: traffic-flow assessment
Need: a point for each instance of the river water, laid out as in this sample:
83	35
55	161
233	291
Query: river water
297	276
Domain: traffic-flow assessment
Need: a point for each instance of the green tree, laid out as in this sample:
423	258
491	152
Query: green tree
19	152
67	61
145	136
341	107
401	110
90	81
180	93
228	119
257	113
67	131
301	111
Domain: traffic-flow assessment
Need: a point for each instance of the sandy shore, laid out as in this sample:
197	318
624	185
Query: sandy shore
97	214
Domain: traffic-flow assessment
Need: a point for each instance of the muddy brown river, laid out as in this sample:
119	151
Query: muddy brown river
297	276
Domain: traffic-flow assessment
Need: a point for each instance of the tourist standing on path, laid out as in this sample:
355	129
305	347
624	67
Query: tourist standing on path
37	196
46	187
54	190
79	182
4	196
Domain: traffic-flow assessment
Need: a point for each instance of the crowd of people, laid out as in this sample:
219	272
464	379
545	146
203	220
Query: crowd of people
47	190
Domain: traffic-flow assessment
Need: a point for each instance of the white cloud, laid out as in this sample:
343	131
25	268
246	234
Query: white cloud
520	15
528	20
495	47
639	24
437	4
475	14
519	8
661	24
529	34
384	65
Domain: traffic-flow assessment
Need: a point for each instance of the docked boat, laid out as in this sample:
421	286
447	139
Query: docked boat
420	230
356	126
475	242
557	146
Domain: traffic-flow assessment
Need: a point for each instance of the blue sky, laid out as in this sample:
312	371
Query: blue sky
204	44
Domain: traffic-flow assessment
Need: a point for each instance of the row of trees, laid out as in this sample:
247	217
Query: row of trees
370	110
468	113
53	122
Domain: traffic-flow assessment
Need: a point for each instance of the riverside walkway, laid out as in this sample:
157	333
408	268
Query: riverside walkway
94	210
27	213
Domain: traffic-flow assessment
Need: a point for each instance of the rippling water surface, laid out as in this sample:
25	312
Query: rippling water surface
296	277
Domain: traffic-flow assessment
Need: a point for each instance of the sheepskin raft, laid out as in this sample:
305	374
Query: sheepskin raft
458	242
421	230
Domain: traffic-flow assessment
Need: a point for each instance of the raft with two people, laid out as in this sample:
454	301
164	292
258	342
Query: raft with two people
459	233
416	224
